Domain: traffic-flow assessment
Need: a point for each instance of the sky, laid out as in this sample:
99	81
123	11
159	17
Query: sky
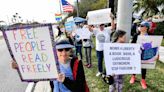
31	10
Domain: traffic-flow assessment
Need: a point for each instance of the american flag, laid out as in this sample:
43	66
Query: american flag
67	7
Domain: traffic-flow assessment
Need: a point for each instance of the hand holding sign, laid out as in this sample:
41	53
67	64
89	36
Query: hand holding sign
61	77
14	65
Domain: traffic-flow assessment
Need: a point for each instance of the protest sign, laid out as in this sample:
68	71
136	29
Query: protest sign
83	33
122	58
70	19
99	16
55	30
69	26
150	50
32	48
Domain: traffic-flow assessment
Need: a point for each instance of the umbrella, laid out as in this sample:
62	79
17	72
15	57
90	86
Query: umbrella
79	19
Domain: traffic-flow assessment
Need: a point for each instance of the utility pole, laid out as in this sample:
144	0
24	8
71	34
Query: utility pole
124	16
77	8
107	5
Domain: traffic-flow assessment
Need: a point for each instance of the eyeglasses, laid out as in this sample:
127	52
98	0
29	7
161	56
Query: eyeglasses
66	49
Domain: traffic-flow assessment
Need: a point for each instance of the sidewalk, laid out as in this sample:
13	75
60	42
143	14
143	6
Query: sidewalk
161	54
42	86
1	35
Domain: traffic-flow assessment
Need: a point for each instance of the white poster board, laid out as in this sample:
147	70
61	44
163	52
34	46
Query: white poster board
55	30
33	52
70	19
83	33
122	58
101	16
150	50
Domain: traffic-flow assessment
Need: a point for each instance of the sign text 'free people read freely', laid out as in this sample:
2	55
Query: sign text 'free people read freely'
33	52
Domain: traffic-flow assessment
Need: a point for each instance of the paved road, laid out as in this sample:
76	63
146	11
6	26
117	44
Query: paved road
9	79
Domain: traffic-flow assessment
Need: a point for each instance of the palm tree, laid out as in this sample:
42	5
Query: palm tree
149	7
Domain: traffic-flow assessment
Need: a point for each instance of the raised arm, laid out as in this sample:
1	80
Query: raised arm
112	21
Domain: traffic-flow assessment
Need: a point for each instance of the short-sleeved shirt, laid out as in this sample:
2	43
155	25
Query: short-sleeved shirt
66	69
101	37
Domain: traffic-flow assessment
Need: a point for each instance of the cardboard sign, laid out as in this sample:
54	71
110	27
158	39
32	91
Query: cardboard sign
99	16
33	52
122	58
150	50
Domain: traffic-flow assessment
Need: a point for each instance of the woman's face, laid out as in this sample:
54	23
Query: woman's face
142	28
63	54
122	39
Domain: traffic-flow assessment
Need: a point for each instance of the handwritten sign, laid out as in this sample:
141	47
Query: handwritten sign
122	58
33	52
99	16
150	50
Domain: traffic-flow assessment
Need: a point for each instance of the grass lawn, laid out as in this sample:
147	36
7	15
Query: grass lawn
163	42
155	79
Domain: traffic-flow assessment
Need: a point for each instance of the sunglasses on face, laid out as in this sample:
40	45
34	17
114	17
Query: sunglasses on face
142	26
66	49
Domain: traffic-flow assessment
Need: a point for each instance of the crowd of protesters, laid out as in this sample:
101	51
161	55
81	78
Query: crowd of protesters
70	55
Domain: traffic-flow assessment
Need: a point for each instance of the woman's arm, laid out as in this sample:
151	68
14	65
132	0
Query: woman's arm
112	22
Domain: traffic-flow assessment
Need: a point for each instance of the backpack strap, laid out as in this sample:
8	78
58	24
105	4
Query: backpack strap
75	68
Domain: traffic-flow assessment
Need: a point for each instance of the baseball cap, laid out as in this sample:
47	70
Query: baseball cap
136	21
145	23
64	43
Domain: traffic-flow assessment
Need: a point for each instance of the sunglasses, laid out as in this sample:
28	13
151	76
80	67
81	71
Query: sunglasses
66	49
142	26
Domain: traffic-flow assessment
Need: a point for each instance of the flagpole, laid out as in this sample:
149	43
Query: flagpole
77	8
60	7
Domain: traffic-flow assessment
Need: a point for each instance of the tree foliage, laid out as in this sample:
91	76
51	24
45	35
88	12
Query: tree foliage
89	5
149	7
159	30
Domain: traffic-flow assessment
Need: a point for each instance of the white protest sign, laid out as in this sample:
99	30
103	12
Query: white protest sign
86	33
33	52
70	19
99	16
55	30
122	58
150	50
70	24
83	33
